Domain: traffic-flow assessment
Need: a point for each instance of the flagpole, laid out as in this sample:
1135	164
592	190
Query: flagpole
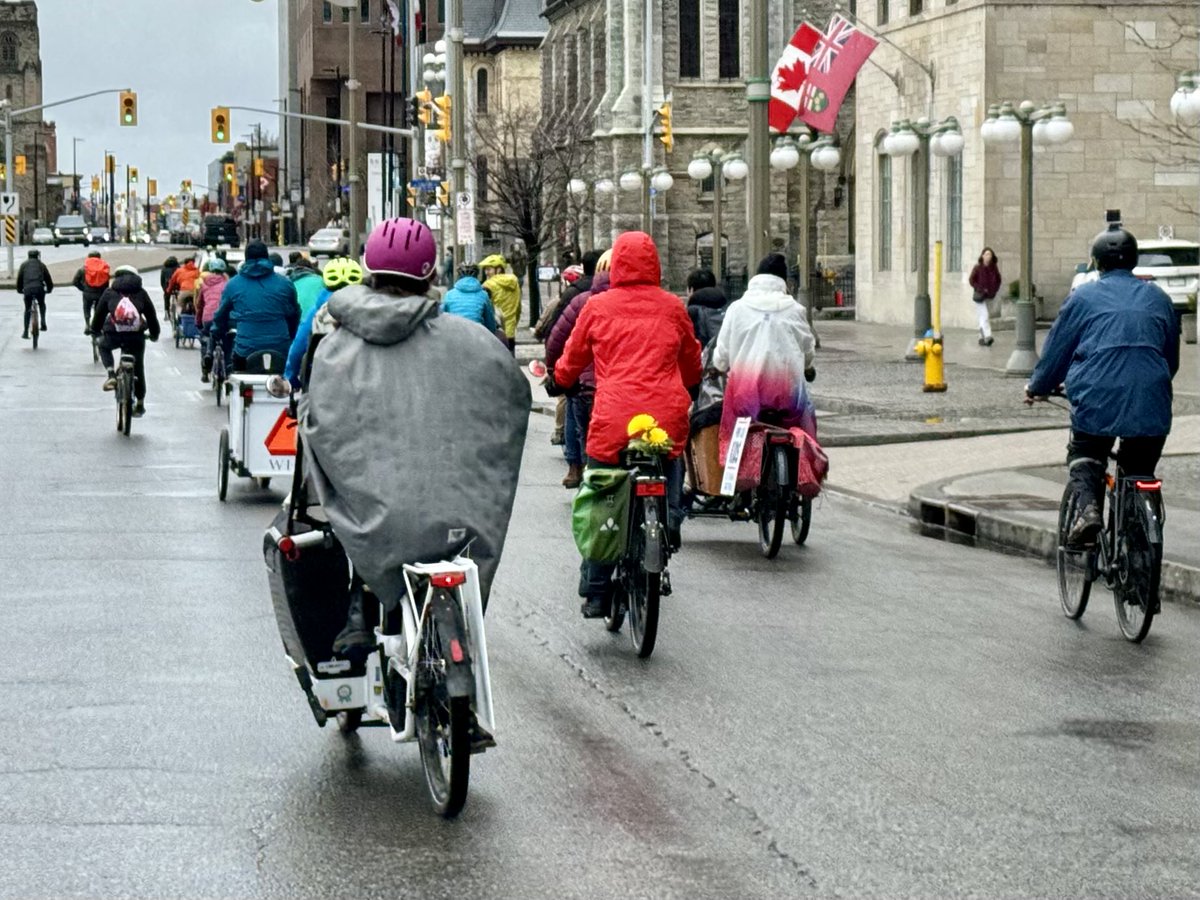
927	68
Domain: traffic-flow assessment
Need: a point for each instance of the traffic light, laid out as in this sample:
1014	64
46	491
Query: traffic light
186	185
667	136
423	101
133	174
19	168
230	172
95	184
441	108
260	167
151	187
110	164
128	108
220	125
443	194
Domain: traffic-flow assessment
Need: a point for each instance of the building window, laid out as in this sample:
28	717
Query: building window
442	11
730	38
689	39
481	178
599	62
364	11
327	12
883	12
481	92
954	174
885	213
916	7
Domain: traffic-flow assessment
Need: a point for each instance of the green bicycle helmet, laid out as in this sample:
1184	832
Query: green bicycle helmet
341	271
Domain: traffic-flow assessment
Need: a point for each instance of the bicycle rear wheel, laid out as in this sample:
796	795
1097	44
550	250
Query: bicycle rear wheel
803	520
773	502
443	726
34	327
642	589
1139	569
1076	568
126	380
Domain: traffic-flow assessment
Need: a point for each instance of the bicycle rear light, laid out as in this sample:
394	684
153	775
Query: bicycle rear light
289	549
456	651
449	579
651	488
1148	485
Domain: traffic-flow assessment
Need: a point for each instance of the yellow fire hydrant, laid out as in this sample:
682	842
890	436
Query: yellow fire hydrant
929	348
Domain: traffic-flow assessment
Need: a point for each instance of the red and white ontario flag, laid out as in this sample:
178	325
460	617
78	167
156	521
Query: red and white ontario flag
787	80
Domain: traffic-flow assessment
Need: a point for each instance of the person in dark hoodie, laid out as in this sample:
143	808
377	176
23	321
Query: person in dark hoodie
468	299
706	304
261	305
123	317
164	279
33	284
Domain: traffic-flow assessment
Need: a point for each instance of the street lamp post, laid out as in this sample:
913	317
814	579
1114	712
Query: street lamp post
906	138
648	181
758	138
720	165
1185	106
75	142
1044	125
583	191
352	85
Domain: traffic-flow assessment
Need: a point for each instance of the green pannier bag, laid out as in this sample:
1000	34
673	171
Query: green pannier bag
600	514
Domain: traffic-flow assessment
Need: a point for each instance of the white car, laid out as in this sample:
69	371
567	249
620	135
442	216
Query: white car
43	236
1173	265
330	242
163	236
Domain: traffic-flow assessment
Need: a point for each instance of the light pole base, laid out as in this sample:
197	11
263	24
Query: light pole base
911	354
1024	358
1022	363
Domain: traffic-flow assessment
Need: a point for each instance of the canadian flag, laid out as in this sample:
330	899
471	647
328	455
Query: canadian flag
787	80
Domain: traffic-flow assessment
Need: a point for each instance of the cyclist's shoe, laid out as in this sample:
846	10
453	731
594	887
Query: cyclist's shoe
574	476
356	635
583	579
481	738
87	331
25	336
204	377
595	607
110	383
674	539
139	410
1086	528
44	328
557	439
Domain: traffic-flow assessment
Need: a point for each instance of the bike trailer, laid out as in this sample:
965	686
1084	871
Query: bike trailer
261	430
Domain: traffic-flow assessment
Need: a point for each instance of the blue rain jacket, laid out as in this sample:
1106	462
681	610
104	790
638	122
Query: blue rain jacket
262	306
300	342
468	299
1115	345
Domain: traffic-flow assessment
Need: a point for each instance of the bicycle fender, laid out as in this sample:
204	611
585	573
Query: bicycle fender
460	676
653	554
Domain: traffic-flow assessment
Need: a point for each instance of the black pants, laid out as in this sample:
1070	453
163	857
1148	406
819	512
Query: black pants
41	302
135	345
1087	457
89	305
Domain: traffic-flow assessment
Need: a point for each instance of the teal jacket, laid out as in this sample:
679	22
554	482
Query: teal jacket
469	300
262	307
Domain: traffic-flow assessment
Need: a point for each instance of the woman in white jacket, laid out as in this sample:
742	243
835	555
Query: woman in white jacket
766	348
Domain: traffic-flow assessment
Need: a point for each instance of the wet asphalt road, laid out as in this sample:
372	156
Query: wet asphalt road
876	714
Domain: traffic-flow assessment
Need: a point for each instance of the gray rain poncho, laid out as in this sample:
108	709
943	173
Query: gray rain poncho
413	428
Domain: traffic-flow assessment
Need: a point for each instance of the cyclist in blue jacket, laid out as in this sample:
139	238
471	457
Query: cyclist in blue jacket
1115	345
261	305
469	300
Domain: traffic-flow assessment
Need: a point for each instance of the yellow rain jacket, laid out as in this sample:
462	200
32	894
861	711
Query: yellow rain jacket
506	297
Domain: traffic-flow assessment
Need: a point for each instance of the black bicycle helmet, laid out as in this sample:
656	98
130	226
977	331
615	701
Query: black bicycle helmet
1115	248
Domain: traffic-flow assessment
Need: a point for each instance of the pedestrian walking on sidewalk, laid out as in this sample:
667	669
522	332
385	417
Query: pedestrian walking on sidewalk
986	281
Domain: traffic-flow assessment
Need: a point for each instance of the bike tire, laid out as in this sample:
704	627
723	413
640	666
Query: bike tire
126	381
95	352
1139	568
1075	567
616	609
223	465
443	729
773	503
34	330
642	591
803	521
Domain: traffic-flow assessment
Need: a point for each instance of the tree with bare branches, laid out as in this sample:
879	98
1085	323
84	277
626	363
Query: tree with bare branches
528	166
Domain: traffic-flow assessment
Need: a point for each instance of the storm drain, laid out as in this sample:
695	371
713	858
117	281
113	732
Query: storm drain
946	521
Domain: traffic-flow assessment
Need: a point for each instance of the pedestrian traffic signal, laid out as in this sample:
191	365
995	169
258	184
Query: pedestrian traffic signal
441	108
423	101
667	136
260	168
20	165
110	164
220	125
128	108
230	172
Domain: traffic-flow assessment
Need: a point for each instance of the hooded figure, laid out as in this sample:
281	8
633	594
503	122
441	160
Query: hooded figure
505	292
402	477
261	305
123	317
469	300
765	345
640	340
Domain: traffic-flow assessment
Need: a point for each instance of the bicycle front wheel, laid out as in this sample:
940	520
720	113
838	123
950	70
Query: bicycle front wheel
1139	570
773	503
443	727
642	589
1076	568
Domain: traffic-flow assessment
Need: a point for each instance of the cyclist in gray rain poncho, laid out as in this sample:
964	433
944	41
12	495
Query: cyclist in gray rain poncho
413	424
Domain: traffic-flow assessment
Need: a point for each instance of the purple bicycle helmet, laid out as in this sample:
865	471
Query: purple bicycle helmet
401	247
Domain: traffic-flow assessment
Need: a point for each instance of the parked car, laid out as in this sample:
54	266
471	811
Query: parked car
43	235
330	242
163	236
71	229
99	233
1171	264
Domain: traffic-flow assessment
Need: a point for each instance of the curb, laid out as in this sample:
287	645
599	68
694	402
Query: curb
964	523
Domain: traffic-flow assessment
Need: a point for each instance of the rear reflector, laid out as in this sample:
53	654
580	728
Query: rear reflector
449	579
456	653
1148	485
288	548
651	488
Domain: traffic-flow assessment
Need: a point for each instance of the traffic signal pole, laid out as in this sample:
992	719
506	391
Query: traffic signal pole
9	115
458	102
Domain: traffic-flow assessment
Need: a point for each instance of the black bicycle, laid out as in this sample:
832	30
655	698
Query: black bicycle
1127	554
126	383
641	577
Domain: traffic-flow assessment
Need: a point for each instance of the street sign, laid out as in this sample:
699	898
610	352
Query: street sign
10	203
185	198
426	184
1166	232
465	201
465	221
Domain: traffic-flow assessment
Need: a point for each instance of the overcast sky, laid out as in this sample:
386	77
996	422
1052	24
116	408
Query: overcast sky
183	57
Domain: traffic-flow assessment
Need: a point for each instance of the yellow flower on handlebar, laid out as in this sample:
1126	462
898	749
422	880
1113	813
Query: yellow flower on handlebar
657	438
640	424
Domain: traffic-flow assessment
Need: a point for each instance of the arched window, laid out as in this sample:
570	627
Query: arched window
9	44
481	92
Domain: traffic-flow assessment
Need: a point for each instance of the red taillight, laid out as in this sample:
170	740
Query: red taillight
456	651
288	548
449	579
247	393
1148	485
1145	277
651	488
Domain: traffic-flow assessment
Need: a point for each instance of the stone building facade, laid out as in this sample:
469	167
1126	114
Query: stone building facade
592	68
1111	65
21	85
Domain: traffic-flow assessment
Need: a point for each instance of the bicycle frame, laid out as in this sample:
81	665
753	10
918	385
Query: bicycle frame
1121	490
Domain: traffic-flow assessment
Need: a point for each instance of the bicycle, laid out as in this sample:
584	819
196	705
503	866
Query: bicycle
126	383
34	325
217	373
641	578
1127	554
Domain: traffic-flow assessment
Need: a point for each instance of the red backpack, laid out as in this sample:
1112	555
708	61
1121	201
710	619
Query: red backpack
95	272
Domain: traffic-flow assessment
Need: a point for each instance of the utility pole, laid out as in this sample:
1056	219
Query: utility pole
647	111
458	100
758	140
352	114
